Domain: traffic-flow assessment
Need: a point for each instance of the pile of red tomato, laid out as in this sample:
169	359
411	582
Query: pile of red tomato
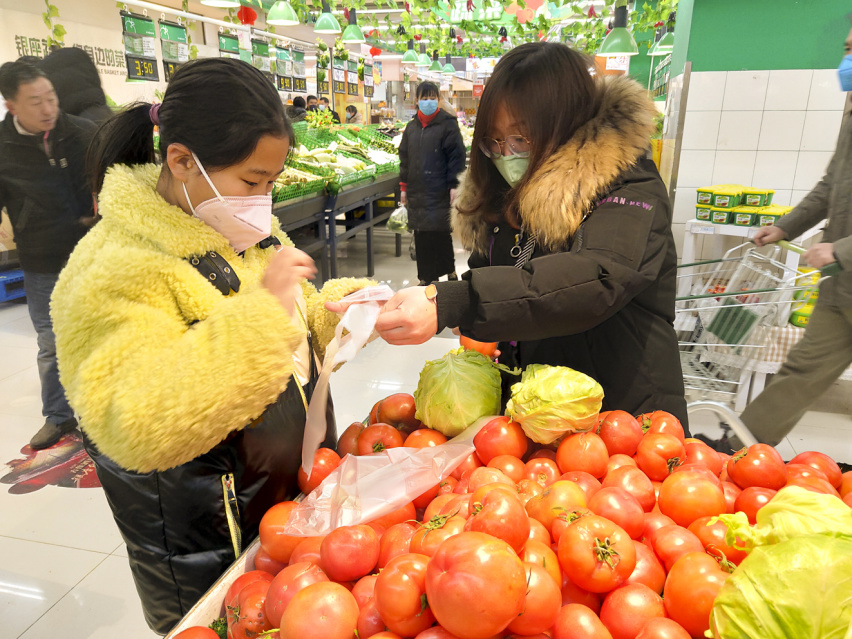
607	536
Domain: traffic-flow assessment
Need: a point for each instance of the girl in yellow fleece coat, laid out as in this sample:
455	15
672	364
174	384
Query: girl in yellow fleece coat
181	321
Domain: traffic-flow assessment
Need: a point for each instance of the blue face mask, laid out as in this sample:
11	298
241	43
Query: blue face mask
322	107
428	107
845	73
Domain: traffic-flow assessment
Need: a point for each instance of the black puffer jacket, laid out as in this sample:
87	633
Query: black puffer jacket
46	192
430	160
598	294
77	83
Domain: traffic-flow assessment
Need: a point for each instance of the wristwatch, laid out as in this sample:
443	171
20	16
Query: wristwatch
431	292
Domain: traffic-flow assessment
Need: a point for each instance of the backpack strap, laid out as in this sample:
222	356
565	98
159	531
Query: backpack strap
216	270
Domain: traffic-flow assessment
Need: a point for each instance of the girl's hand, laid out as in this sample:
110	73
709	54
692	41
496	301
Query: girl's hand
409	317
287	268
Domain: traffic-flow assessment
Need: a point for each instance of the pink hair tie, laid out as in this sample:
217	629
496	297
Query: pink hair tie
154	113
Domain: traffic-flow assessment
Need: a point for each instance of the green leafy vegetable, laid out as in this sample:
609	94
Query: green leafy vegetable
551	401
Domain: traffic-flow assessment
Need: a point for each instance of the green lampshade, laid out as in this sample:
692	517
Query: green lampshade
327	23
619	42
436	66
423	60
666	43
282	14
410	56
353	35
221	4
448	69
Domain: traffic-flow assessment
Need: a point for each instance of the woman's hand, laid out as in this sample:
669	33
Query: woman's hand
286	269
409	317
768	235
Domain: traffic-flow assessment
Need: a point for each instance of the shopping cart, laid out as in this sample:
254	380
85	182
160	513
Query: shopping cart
722	324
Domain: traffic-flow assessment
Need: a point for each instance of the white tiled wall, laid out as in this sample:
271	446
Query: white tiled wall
772	129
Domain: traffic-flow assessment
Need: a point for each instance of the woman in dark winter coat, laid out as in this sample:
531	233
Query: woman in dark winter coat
573	260
77	83
431	158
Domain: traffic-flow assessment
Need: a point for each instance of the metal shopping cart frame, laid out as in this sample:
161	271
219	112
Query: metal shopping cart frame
721	324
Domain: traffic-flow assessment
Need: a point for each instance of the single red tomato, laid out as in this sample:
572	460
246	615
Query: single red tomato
543	453
424	438
635	482
691	588
458	505
348	442
686	496
527	489
712	536
434	532
484	475
541	605
620	507
670	543
483	348
285	586
470	462
583	451
572	593
584	480
758	465
597	554
541	470
822	462
654	521
370	622
618	461
814	484
660	628
323	610
648	571
732	491
400	595
437	504
395	542
576	621
753	499
658	454
262	561
543	555
398	411
697	452
500	436
846	483
244	580
564	519
349	552
479	494
272	537
701	469
377	437
502	516
307	550
627	609
559	497
510	466
364	590
620	432
245	614
803	470
325	461
475	585
197	632
663	423
406	512
539	533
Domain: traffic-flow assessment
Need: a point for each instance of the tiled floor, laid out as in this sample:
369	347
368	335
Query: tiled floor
63	569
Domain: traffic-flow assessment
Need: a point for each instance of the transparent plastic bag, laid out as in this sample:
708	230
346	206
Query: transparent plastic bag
398	221
363	488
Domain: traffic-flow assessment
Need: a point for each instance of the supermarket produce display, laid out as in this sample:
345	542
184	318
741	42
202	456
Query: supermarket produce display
618	527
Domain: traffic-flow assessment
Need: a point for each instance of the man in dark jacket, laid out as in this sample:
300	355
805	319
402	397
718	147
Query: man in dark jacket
78	86
431	155
43	188
325	106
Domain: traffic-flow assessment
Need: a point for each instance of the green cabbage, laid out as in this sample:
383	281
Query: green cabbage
456	390
797	589
551	401
792	512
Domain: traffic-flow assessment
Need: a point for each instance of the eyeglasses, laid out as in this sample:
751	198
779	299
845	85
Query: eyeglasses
517	145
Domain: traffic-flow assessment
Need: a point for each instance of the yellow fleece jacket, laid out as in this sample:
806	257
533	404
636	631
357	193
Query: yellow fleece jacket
159	365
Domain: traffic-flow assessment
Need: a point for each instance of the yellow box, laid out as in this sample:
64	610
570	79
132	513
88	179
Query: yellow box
757	197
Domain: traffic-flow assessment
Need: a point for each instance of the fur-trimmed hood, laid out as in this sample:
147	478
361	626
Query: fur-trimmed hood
563	190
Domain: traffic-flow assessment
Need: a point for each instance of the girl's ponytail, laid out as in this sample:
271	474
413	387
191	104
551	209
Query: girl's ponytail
126	138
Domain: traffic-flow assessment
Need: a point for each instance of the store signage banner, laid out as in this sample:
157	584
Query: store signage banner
140	37
618	63
174	46
352	77
477	90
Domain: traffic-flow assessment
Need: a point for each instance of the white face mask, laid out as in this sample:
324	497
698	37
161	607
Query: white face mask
244	221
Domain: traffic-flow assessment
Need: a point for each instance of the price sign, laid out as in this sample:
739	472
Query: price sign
139	35
352	77
338	80
368	81
322	87
170	68
300	85
703	229
284	82
175	47
260	56
229	46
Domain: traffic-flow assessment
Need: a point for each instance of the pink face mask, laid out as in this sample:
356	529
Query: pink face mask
244	221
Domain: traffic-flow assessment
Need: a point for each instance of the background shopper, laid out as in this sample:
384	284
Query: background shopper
44	189
352	116
297	111
181	331
324	106
77	83
431	155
